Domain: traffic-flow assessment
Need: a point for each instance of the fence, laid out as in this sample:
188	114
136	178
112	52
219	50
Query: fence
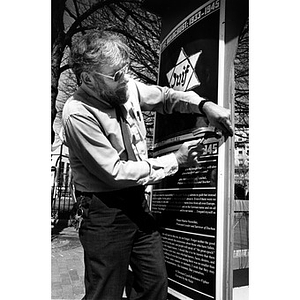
62	199
241	243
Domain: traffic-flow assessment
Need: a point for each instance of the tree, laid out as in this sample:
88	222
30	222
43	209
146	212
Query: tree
141	29
72	18
242	84
242	108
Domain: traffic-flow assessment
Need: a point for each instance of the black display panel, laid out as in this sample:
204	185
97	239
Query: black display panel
185	205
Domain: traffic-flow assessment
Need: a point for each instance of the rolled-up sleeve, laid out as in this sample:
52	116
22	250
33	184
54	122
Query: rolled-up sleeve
161	167
166	100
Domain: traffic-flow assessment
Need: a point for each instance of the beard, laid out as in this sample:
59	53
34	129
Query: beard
115	97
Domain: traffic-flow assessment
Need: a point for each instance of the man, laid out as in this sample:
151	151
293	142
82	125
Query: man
106	136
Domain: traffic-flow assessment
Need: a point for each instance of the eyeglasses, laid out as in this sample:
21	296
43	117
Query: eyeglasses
118	75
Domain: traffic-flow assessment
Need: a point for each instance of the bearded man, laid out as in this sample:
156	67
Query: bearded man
106	136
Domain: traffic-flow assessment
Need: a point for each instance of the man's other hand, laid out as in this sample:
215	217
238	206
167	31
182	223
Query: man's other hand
218	117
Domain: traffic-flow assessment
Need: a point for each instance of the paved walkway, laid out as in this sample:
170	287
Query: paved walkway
67	268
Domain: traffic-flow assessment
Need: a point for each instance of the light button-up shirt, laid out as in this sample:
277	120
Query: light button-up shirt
93	135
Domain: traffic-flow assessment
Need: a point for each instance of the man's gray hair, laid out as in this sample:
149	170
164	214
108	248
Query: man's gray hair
96	49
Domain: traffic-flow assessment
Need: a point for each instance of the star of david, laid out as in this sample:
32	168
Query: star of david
183	76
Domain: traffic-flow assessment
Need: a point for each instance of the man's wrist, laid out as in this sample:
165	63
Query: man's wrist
201	104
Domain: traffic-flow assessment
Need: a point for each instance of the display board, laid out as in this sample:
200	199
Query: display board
185	207
191	207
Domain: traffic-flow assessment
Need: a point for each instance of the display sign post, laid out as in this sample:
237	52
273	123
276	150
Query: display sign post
194	208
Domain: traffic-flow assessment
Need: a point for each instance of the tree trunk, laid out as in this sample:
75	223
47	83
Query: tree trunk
57	54
58	45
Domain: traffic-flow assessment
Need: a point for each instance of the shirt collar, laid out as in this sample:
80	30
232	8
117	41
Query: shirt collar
90	97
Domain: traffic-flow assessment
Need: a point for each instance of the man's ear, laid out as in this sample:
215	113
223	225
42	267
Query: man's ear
87	79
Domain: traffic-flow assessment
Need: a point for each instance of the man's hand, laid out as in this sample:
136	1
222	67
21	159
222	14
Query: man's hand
218	117
189	153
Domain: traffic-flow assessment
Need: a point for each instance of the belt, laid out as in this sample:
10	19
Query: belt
123	192
87	194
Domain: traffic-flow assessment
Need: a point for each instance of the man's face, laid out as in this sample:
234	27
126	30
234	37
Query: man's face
112	90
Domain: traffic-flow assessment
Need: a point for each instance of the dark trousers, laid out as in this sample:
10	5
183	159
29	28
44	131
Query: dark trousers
118	231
